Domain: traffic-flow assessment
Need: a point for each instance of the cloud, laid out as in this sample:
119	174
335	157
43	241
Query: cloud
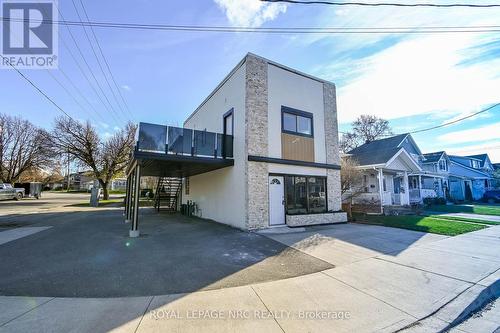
492	148
400	75
417	76
252	13
484	133
126	87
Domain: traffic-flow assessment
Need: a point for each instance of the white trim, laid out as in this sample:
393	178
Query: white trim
402	150
428	175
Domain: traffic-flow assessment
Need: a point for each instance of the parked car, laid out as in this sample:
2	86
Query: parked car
7	192
492	196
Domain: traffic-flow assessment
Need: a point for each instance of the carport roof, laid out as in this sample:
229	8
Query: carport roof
170	165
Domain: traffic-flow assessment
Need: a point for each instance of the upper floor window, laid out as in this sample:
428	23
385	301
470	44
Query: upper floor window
442	165
474	164
296	122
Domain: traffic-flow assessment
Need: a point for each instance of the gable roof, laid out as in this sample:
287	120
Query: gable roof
377	151
481	157
460	169
462	160
433	157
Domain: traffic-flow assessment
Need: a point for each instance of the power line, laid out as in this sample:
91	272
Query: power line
456	120
275	30
380	4
442	125
89	69
61	85
107	64
98	61
38	89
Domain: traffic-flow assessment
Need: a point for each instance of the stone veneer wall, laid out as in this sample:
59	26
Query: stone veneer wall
332	147
256	140
312	219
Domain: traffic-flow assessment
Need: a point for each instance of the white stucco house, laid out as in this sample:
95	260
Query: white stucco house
260	151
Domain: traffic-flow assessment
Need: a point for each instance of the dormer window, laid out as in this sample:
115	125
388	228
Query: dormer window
474	164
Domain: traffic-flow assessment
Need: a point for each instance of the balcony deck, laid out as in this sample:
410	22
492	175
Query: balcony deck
167	151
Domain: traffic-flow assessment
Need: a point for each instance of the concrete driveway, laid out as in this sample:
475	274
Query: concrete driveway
340	278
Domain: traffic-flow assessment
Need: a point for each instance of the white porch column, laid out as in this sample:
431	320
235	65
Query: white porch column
381	189
406	195
420	187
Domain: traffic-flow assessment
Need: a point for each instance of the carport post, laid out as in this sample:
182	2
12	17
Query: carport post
134	231
128	199
132	187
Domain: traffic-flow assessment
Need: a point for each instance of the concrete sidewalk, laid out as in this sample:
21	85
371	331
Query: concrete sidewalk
493	218
395	280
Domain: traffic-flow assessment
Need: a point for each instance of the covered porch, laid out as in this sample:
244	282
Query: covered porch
171	153
424	185
386	185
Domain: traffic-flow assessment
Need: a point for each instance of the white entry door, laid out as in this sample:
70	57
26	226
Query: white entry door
276	200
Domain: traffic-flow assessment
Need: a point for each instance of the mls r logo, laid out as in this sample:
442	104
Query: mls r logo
23	31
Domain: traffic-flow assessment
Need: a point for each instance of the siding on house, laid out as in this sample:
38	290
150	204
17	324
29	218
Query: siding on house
214	192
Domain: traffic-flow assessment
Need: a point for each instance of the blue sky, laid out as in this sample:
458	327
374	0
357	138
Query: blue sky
414	80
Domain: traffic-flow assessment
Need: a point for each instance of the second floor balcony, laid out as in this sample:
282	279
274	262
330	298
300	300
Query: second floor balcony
183	141
168	151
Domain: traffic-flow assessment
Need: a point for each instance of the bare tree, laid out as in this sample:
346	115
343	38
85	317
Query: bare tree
106	158
365	128
349	141
23	148
351	181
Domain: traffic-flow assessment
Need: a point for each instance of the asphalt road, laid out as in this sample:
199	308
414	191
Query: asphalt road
48	201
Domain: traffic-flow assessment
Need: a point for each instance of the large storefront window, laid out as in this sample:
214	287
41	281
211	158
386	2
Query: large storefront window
305	195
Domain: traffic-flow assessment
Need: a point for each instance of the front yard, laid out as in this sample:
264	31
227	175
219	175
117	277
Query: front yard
474	209
432	224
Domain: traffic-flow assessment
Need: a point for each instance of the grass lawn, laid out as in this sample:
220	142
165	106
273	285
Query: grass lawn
421	223
465	219
474	209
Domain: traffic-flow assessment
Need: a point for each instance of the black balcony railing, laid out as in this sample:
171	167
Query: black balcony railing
183	141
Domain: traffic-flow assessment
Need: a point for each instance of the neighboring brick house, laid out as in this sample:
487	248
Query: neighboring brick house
260	151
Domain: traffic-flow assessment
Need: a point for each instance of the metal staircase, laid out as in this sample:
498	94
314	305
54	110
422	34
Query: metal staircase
167	193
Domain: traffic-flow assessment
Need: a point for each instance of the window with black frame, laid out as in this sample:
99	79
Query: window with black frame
296	122
305	195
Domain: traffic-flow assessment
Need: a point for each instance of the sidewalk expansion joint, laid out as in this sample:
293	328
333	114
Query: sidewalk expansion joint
282	330
370	295
144	313
26	312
